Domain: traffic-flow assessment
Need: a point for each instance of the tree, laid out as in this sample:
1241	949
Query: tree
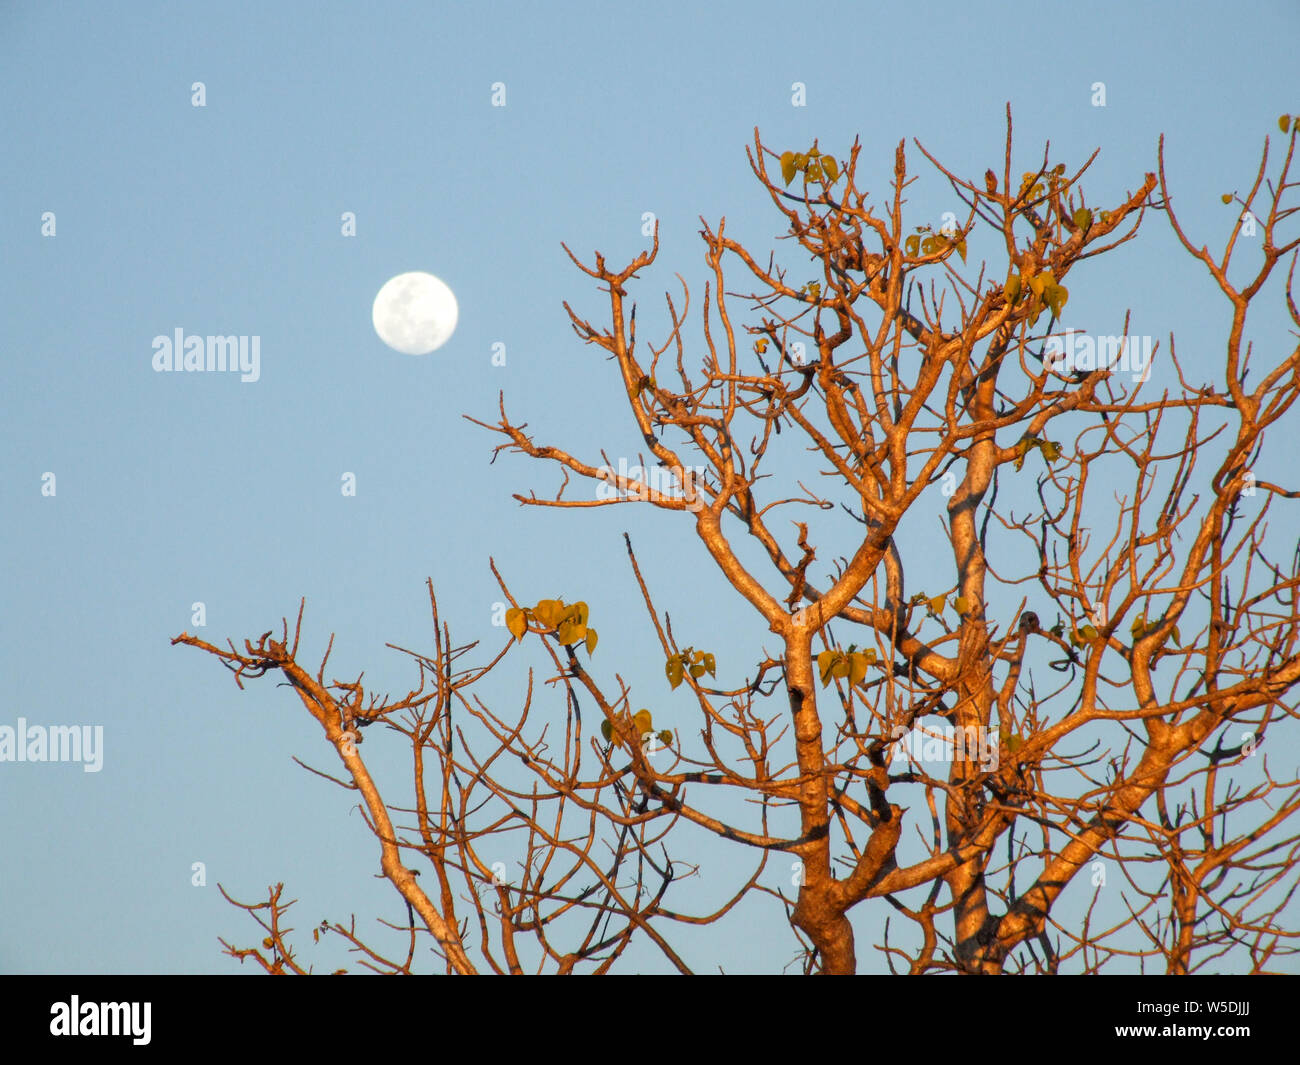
1103	672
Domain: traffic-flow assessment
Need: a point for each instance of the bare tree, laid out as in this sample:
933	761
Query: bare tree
1106	671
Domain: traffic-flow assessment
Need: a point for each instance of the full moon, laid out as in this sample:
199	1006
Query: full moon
415	313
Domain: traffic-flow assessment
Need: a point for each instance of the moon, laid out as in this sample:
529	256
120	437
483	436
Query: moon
415	313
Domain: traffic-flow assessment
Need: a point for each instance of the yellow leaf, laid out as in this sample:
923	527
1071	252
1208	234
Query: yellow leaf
674	670
549	612
824	662
937	604
641	719
788	166
591	640
516	622
1283	122
857	669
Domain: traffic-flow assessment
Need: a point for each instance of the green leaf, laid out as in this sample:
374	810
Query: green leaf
937	604
788	168
831	167
961	604
1139	626
1012	289
1055	296
697	671
1088	632
666	737
591	640
516	622
711	665
1023	446
607	729
1051	450
1083	219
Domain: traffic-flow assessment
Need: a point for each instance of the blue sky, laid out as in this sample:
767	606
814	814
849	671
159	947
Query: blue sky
181	488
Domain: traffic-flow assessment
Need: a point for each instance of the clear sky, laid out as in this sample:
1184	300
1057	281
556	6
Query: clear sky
174	489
